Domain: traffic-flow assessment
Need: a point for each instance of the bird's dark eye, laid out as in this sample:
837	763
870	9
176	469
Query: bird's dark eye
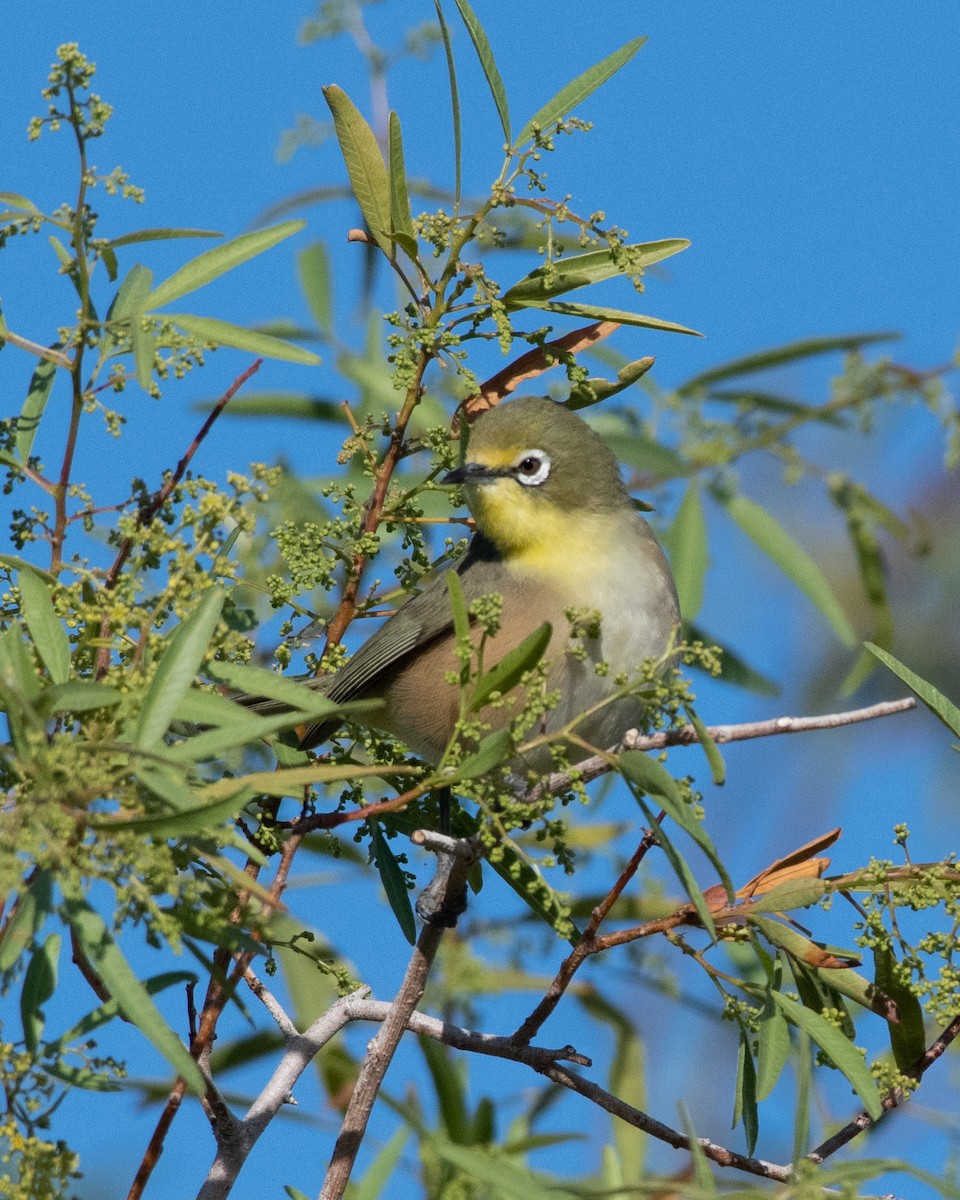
532	468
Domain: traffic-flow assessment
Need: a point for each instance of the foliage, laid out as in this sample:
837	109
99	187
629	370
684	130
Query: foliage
143	801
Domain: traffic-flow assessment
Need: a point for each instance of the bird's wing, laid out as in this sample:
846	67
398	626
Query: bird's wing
421	619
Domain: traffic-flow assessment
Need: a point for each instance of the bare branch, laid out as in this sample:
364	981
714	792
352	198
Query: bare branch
892	1099
599	764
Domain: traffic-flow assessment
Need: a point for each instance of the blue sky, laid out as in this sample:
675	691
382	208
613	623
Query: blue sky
809	152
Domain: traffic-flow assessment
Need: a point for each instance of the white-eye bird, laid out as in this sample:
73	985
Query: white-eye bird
555	530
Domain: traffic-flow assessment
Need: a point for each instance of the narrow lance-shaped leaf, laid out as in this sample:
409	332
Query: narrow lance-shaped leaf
143	342
654	779
454	106
493	751
718	768
394	884
592	312
687	542
313	274
178	668
680	869
774	1048
792	559
579	270
161	235
907	1035
578	90
935	700
365	165
745	1104
210	265
461	619
481	44
400	222
510	669
39	984
124	986
225	333
780	355
46	628
38	393
77	696
847	1058
31	911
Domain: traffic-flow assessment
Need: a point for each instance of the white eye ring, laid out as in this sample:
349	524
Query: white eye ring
532	467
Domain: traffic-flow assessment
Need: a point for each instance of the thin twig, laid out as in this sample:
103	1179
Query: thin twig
381	1050
585	947
160	497
892	1099
686	735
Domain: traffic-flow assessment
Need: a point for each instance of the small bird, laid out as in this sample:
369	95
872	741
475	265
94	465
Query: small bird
555	530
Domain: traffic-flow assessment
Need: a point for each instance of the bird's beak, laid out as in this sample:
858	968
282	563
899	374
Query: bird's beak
471	472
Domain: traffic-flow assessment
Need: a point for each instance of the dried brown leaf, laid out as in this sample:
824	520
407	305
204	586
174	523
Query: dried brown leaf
529	366
798	864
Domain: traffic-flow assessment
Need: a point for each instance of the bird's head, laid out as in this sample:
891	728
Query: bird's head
534	474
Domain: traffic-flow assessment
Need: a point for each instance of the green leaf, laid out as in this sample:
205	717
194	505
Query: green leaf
39	984
745	1107
211	264
19	564
795	893
492	752
792	560
647	456
179	665
132	997
313	274
225	333
718	768
847	1058
38	393
292	780
734	669
484	52
580	270
511	668
143	342
15	200
687	542
592	312
365	165
160	235
46	629
448	1085
508	1179
131	295
300	406
187	822
454	106
780	355
76	696
400	223
627	1084
907	1036
461	620
655	780
578	90
680	869
31	911
394	884
774	1047
935	700
373	1184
